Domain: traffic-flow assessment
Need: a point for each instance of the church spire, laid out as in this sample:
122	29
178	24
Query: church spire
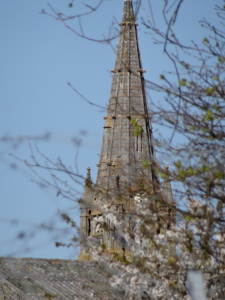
127	159
127	139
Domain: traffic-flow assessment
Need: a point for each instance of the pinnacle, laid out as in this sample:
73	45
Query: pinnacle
88	180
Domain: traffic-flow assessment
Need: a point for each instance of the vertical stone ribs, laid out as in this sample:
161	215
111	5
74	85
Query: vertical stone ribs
127	139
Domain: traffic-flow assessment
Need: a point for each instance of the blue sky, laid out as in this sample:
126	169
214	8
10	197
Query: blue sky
38	56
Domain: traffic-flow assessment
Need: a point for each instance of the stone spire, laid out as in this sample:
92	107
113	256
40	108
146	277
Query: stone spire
127	159
127	140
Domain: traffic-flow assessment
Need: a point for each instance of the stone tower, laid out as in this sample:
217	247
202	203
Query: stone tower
127	160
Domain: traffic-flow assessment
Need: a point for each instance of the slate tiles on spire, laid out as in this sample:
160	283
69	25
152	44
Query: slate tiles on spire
127	139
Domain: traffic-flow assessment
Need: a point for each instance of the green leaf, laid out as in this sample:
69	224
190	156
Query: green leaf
178	164
133	121
189	171
205	40
217	107
210	91
145	163
208	116
219	175
183	82
137	128
188	218
221	59
205	169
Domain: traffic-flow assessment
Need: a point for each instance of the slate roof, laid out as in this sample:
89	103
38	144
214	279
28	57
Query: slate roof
32	278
